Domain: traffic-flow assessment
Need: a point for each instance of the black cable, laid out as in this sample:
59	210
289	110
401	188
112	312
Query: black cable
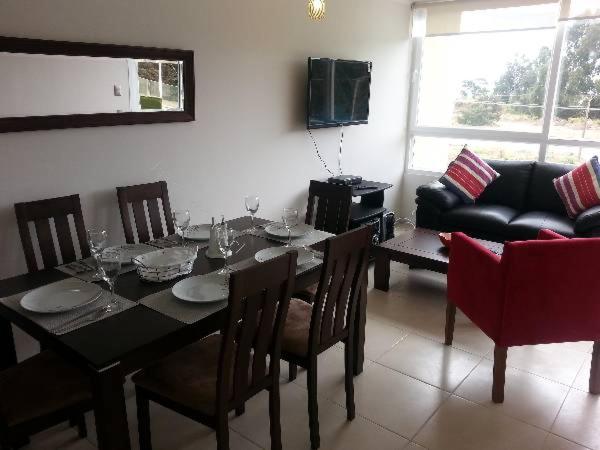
318	153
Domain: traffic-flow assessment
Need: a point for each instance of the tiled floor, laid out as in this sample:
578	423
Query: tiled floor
414	393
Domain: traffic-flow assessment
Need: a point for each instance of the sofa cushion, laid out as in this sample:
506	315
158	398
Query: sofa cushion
468	175
542	195
579	189
510	188
491	218
528	225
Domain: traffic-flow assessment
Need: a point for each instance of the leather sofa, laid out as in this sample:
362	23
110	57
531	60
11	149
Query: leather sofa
516	206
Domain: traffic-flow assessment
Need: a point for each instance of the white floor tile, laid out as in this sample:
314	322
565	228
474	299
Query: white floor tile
527	397
462	425
393	400
430	361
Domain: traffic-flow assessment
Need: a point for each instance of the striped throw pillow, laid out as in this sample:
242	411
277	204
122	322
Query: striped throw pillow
580	188
468	176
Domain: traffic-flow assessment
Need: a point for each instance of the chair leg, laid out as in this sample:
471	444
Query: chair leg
349	378
293	369
500	354
223	433
313	406
275	416
143	414
594	387
450	319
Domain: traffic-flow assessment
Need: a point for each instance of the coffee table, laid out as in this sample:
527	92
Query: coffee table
420	249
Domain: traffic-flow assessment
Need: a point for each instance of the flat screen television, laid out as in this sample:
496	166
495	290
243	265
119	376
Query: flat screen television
338	92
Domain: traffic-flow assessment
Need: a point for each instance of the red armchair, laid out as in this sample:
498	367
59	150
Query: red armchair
539	292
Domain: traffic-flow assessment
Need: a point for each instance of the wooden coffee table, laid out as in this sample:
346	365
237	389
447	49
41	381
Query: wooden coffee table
420	249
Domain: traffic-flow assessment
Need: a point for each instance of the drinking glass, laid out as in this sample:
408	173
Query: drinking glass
225	240
290	220
252	203
110	266
97	242
181	220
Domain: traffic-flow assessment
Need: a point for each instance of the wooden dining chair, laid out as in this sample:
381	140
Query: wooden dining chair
218	374
329	206
137	196
41	213
39	393
310	329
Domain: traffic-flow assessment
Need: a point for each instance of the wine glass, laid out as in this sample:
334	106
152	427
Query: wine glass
110	266
290	220
252	203
181	220
97	242
225	241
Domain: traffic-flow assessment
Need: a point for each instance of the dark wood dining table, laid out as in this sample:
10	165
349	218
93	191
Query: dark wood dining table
112	348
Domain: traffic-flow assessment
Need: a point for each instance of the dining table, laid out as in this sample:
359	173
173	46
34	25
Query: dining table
110	349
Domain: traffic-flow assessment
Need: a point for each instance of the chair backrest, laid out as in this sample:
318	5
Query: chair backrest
137	196
259	297
334	308
551	291
41	213
329	206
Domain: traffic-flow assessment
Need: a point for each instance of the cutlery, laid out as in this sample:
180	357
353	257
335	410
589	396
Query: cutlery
73	267
86	264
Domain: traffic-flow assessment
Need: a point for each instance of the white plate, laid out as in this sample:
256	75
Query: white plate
304	256
279	230
198	232
63	296
129	251
202	288
167	257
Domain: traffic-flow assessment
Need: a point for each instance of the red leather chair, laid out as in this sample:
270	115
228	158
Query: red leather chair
539	292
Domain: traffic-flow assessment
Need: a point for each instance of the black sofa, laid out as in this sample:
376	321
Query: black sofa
515	206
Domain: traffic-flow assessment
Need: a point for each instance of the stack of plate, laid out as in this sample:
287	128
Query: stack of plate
166	264
279	231
208	288
304	256
62	296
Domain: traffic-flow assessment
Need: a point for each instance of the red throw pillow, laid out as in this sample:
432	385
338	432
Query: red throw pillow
468	176
579	189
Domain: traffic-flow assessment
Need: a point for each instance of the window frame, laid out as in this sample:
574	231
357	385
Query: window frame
543	138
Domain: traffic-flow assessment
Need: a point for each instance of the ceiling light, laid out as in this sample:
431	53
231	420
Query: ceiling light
316	9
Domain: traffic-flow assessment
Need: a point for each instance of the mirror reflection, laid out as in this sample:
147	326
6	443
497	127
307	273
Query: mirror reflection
43	85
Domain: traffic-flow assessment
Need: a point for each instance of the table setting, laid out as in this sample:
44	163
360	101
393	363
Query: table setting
72	303
197	297
69	304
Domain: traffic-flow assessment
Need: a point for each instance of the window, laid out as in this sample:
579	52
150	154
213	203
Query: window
434	154
514	79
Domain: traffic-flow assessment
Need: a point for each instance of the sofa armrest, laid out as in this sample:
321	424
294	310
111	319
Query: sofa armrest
436	193
475	283
588	220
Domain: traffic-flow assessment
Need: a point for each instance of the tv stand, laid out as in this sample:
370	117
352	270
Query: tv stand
370	210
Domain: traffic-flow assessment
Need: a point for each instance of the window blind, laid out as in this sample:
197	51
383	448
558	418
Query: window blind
468	16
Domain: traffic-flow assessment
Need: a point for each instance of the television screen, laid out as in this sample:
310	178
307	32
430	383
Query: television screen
338	92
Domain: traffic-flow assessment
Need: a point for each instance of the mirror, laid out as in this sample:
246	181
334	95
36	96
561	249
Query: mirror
51	84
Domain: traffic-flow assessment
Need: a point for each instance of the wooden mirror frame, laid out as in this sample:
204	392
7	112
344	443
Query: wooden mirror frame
46	47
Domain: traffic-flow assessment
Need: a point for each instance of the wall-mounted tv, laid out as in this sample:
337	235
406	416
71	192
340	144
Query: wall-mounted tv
338	92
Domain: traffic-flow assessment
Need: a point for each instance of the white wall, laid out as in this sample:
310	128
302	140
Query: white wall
249	135
38	85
